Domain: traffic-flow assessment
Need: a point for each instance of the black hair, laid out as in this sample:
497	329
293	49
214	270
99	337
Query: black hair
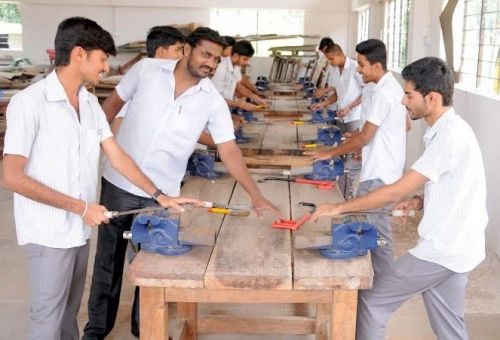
162	36
205	33
230	41
83	32
334	48
431	74
243	47
374	51
325	42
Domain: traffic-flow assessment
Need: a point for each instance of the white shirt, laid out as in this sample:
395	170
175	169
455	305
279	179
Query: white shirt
384	156
226	78
62	154
159	131
349	86
455	217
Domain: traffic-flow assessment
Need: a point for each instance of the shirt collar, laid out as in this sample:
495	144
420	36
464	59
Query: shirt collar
439	124
385	78
203	84
55	90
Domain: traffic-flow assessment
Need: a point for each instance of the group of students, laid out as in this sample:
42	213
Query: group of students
167	102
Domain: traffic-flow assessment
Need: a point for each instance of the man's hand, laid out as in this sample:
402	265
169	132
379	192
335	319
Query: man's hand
343	111
238	121
412	204
248	106
177	202
318	106
326	209
319	155
321	92
260	101
95	215
261	204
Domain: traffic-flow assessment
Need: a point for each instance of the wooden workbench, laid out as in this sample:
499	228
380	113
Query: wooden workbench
251	262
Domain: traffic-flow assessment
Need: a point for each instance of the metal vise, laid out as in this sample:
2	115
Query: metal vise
329	136
327	169
262	83
240	139
157	233
201	164
350	239
302	80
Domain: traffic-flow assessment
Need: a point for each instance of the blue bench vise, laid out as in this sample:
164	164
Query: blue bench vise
329	169
201	164
329	135
302	80
240	138
319	118
262	83
347	240
159	232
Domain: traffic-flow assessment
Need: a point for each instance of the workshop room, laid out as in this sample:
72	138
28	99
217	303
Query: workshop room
250	170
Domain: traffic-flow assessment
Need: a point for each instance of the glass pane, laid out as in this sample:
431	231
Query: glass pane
472	22
471	37
491	20
470	51
468	79
472	7
489	53
487	69
491	5
491	37
469	66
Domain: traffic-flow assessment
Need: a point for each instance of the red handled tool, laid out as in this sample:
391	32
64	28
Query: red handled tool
320	184
294	225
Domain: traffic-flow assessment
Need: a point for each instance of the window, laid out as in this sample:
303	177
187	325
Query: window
480	56
396	19
10	26
244	22
363	21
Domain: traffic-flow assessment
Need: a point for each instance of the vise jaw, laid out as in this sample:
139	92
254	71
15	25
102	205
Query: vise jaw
157	232
349	240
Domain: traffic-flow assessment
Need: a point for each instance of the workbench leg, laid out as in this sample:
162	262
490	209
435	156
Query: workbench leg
343	314
188	314
153	314
321	321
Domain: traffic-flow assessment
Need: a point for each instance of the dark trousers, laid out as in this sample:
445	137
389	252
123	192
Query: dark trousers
106	286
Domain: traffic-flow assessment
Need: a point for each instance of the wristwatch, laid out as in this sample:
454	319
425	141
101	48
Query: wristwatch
156	194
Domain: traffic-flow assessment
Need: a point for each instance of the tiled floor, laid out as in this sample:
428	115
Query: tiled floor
409	322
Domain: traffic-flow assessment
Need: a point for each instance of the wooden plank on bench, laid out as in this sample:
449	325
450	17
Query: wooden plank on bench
185	271
249	253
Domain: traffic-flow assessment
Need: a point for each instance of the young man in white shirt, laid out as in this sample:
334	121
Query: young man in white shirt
347	87
382	137
227	78
55	129
452	240
322	68
162	42
171	103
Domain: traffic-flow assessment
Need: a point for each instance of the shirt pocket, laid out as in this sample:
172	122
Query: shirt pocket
92	143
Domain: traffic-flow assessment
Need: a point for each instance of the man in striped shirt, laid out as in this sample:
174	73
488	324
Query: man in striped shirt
55	129
451	233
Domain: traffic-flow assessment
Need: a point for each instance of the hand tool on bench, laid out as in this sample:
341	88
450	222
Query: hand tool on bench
218	208
295	224
320	184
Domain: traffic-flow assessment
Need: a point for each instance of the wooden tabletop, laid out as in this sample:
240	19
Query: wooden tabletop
249	253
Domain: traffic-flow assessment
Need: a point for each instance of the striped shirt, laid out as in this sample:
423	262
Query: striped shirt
226	78
62	153
455	217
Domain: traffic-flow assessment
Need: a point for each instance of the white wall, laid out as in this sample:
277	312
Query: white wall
129	20
481	112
